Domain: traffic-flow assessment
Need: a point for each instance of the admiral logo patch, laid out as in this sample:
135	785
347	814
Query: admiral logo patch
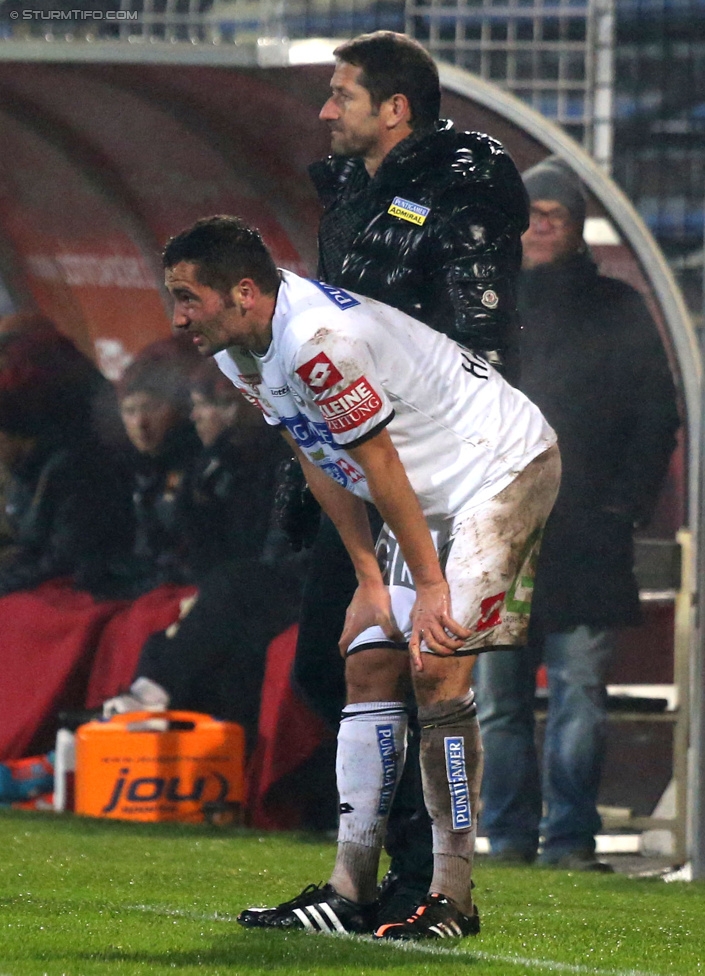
319	373
408	210
351	408
337	295
454	746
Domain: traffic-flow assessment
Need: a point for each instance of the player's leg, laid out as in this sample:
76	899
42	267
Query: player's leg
489	568
371	748
370	759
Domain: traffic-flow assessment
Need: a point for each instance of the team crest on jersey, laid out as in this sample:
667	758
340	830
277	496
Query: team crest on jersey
319	373
339	297
408	210
351	408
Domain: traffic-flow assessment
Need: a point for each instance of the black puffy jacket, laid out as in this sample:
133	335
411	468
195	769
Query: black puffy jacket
436	232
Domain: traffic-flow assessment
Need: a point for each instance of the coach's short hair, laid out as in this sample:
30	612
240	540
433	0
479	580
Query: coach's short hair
396	64
225	250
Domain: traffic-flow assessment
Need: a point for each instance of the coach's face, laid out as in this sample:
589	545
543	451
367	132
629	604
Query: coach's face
356	127
214	320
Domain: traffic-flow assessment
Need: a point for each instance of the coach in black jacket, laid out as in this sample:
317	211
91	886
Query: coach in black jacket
429	220
593	361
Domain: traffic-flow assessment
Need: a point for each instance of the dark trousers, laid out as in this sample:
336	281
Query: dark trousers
319	672
215	661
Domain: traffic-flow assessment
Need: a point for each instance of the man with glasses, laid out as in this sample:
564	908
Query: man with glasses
593	361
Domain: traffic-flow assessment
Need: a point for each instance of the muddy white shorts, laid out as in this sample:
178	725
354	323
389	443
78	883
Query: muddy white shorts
488	555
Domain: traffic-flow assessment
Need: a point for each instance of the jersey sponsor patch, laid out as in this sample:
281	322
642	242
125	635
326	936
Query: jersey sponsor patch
300	430
408	210
319	373
458	782
250	379
351	408
490	612
339	297
335	472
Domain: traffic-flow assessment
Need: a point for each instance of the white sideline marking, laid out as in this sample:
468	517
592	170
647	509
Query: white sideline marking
547	964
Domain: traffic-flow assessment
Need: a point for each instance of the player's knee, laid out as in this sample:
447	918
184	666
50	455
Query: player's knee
443	678
377	674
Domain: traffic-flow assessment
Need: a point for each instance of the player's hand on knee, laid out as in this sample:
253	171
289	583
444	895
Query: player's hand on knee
433	625
370	607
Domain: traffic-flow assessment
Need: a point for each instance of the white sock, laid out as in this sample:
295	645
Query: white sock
371	752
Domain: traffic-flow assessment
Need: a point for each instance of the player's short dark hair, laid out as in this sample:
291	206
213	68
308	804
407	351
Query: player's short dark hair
396	64
225	250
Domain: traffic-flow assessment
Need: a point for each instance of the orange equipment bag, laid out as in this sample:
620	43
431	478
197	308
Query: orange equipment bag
159	766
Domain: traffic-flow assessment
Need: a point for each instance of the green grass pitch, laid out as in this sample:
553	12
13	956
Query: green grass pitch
83	897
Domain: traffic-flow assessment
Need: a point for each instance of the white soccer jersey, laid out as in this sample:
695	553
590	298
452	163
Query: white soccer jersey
341	367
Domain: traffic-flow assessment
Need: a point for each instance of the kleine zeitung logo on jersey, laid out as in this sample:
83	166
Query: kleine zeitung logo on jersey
351	408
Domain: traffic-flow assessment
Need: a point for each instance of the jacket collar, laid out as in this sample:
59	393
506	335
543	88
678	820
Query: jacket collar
417	151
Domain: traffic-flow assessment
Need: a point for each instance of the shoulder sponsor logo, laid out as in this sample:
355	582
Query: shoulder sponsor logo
490	299
351	408
408	210
458	782
279	391
339	297
319	373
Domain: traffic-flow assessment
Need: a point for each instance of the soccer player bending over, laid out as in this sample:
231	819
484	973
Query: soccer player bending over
464	470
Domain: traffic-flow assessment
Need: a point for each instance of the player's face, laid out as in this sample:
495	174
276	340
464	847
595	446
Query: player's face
553	235
213	320
211	419
355	126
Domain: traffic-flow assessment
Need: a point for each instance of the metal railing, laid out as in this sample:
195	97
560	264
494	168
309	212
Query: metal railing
195	21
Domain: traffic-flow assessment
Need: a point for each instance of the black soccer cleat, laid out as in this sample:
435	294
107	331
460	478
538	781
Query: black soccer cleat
435	918
319	908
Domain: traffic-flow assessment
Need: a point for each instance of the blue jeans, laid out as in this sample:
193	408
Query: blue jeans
512	789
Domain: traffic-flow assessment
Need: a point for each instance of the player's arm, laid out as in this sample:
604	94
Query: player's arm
396	500
371	604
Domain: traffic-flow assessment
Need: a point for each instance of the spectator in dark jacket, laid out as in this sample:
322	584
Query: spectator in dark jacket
593	361
213	660
65	500
155	405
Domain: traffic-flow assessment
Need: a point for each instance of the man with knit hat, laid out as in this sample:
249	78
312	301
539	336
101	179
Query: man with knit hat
593	361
